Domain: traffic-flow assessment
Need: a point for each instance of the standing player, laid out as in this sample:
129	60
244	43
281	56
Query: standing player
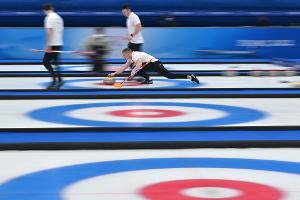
54	26
139	58
134	27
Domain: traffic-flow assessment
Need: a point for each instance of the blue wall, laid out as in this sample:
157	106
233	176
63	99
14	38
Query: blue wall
165	42
183	13
151	5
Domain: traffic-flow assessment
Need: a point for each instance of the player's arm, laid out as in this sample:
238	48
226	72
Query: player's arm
121	69
49	38
138	65
137	29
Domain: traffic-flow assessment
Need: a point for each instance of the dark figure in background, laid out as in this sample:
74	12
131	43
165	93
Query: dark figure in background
54	26
98	43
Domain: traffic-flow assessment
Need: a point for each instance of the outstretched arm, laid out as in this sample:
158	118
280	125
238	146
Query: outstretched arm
121	69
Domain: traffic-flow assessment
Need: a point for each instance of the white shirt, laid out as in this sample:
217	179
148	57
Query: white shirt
142	56
55	22
132	21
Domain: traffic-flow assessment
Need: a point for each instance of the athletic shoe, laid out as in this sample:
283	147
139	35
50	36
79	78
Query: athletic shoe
147	82
55	85
59	84
194	79
52	86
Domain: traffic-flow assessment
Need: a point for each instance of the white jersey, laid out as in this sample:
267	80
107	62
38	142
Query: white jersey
55	22
132	21
142	56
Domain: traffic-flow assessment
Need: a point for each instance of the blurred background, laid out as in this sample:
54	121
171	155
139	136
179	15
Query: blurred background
176	31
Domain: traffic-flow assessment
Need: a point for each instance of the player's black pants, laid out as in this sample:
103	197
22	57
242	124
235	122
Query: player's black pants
135	47
53	57
160	69
98	65
98	59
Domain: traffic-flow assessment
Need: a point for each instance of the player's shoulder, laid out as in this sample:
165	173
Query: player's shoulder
137	52
133	15
54	15
50	17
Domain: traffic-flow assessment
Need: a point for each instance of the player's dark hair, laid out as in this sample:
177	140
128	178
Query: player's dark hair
48	7
126	50
126	6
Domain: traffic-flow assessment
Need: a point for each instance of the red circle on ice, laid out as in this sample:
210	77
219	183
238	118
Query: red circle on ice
174	190
146	113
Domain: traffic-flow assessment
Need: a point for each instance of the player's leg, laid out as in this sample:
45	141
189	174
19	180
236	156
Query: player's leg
144	74
48	57
134	46
56	58
159	67
98	57
98	65
138	47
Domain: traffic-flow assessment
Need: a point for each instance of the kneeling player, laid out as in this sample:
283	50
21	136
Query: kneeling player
137	59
